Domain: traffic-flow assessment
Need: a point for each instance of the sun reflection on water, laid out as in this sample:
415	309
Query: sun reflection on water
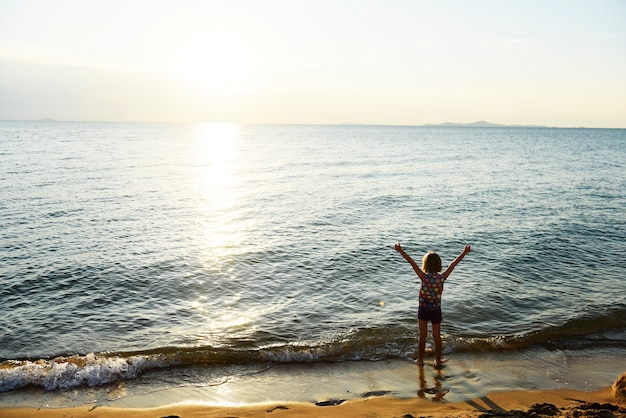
220	228
229	317
217	171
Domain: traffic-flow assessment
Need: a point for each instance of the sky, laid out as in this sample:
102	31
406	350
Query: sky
397	62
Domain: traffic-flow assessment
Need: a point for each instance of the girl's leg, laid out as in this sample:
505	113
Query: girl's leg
422	341
438	343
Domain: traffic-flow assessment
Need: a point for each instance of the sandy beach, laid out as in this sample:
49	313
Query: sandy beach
432	400
562	403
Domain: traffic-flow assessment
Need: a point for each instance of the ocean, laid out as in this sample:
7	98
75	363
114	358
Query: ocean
131	248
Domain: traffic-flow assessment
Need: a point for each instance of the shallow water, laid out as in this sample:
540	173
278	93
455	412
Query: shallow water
129	247
465	377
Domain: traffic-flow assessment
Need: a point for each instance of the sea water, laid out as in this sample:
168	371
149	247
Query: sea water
127	248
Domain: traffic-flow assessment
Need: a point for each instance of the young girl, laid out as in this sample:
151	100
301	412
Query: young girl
430	297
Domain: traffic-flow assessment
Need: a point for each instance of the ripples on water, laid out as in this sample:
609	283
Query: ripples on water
278	240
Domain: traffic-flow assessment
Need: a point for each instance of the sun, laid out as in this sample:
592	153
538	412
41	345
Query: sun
217	68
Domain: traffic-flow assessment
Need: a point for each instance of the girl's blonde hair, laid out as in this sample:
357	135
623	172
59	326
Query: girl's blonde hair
431	263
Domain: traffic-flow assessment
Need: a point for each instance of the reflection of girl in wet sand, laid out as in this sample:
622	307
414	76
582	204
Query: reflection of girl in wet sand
430	297
438	390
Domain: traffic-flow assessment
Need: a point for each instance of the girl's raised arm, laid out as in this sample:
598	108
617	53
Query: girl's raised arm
456	261
413	264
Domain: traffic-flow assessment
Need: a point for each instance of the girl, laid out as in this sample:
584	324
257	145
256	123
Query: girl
430	297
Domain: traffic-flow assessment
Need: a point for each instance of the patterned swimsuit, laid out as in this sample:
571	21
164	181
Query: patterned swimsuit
430	291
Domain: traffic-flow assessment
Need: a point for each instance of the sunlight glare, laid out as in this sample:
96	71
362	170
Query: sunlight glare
217	180
216	68
215	143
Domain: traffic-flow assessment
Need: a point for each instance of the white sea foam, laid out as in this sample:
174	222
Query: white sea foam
69	372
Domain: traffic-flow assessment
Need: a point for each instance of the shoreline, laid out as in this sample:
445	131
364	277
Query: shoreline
562	402
470	385
465	376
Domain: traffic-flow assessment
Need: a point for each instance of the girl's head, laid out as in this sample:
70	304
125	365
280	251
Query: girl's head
431	263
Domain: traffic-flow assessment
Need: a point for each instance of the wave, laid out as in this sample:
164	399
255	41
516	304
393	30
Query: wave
69	372
364	344
607	328
95	369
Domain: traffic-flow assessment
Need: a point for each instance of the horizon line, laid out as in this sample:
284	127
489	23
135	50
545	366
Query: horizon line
477	124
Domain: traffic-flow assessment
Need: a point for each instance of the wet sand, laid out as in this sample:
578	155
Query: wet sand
534	383
514	403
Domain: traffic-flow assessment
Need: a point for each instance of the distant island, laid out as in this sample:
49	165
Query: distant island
482	124
479	124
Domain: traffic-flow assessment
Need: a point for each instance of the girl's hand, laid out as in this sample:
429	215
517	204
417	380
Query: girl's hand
398	247
468	248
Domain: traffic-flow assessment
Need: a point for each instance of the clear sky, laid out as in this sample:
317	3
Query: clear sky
407	62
